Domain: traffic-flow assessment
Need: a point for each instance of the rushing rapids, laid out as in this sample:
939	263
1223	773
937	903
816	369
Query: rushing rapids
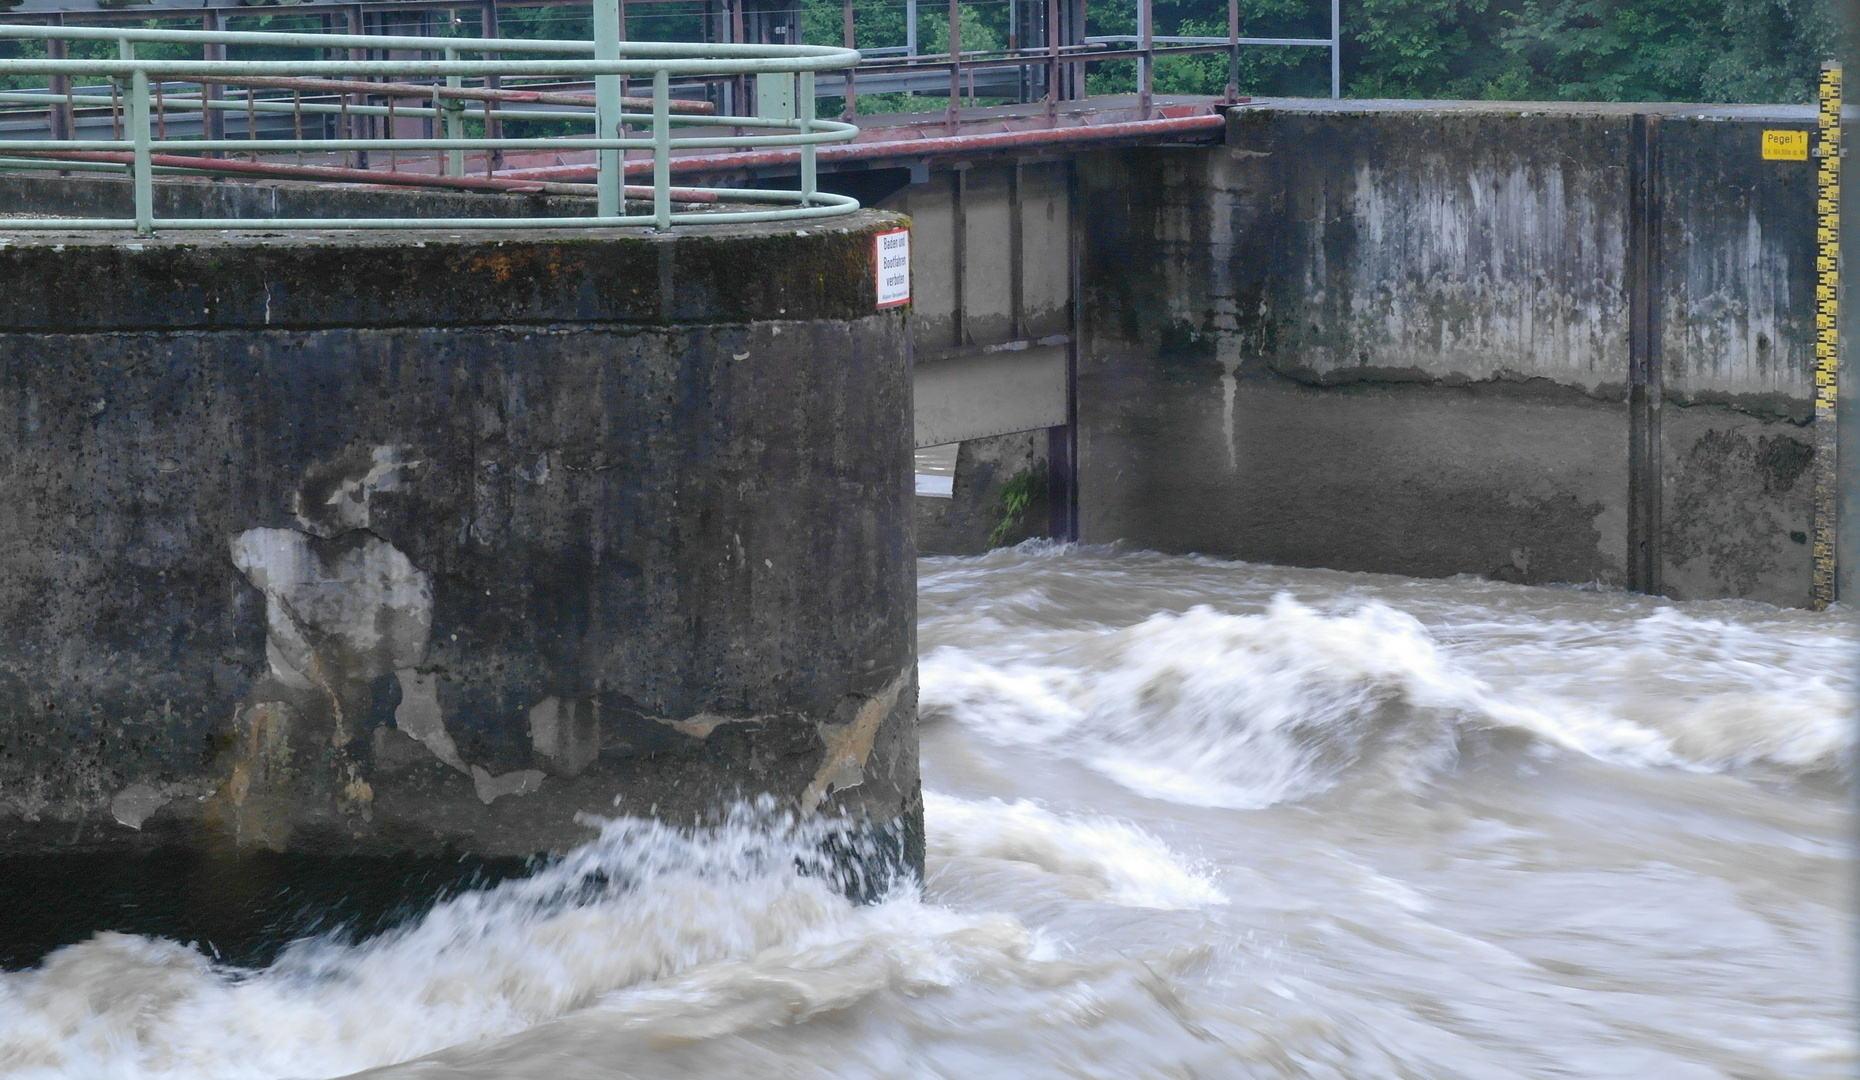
1185	818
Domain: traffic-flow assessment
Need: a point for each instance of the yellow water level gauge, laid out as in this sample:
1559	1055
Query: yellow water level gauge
1827	338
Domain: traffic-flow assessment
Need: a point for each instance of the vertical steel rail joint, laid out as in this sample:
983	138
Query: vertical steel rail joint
662	148
144	174
1827	339
955	67
1336	48
610	177
809	178
851	97
1233	51
1052	63
455	120
1146	60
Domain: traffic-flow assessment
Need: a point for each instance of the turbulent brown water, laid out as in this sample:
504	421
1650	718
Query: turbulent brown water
1187	818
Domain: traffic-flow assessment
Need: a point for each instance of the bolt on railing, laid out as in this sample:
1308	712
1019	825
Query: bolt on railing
142	144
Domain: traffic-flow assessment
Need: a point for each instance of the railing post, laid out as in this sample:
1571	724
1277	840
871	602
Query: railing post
851	108
1336	49
1233	51
1146	44
950	119
662	148
1078	83
493	127
743	103
60	115
1052	63
805	110
212	120
1020	71
610	176
357	25
455	121
139	135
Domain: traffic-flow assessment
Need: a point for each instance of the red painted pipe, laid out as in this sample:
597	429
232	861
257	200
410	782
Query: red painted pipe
900	148
269	170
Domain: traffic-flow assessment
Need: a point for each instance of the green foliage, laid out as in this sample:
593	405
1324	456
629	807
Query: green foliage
28	49
1724	50
1605	50
1601	50
880	24
1017	495
1588	50
24	50
1263	70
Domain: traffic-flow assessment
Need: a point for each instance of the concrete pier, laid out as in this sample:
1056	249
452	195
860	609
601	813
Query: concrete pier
384	547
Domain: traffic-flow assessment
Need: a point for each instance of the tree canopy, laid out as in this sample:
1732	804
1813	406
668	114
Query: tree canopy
1597	50
1758	51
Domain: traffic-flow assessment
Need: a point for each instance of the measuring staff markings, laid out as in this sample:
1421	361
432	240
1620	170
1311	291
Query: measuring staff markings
1827	310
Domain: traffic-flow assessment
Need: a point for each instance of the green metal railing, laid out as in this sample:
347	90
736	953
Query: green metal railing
612	62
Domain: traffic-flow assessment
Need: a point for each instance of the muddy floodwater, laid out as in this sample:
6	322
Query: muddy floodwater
1186	818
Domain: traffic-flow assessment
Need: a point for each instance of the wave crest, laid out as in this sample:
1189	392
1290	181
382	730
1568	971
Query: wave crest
1251	710
678	933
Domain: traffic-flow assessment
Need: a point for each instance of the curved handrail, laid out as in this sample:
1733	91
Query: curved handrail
612	60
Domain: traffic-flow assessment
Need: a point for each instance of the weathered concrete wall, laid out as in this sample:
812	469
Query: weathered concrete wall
971	244
996	235
391	544
1393	337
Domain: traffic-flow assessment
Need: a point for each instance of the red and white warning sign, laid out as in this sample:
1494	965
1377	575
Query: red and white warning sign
892	261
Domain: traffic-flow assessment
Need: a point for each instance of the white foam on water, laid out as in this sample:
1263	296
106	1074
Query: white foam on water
1252	709
1114	860
644	932
1772	687
644	920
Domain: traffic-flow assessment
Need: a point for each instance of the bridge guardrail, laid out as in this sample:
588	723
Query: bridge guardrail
141	145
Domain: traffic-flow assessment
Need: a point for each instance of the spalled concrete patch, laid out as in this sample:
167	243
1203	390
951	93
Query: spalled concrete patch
419	716
134	804
491	788
340	609
849	743
701	725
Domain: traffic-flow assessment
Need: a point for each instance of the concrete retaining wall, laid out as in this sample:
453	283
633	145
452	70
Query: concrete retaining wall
1393	337
388	544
